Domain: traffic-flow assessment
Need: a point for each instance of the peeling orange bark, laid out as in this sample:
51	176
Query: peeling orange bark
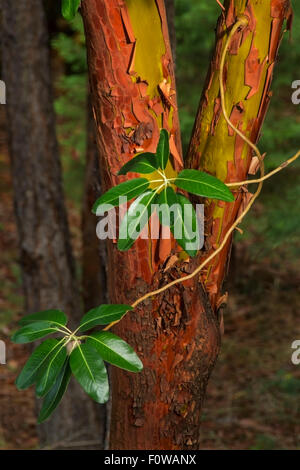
176	334
214	146
131	105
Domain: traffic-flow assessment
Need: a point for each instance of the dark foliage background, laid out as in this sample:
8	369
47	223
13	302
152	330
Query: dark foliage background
253	397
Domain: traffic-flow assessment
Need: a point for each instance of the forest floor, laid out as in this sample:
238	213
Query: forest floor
253	395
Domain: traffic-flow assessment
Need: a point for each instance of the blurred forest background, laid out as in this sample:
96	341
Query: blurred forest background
253	396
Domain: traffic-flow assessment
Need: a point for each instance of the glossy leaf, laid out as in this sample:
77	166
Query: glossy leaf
135	219
38	358
145	163
203	184
47	375
33	331
115	351
185	228
69	8
166	200
90	371
56	393
56	317
163	149
129	189
103	315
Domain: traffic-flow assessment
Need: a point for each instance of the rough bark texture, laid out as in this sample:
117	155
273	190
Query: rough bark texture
214	146
176	335
45	251
94	256
170	9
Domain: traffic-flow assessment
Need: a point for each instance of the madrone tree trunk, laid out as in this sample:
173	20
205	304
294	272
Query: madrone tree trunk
45	251
177	334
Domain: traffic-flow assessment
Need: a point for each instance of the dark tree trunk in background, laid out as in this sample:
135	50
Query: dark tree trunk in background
45	250
177	334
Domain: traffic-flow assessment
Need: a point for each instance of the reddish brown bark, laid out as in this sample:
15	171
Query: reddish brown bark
170	9
46	257
176	334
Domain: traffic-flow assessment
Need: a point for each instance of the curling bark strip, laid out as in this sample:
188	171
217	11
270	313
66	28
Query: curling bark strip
215	147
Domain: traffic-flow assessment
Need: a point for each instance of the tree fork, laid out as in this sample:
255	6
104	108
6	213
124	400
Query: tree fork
214	146
176	334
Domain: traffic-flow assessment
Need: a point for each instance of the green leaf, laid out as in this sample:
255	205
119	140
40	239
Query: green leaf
69	8
36	360
185	228
203	184
47	375
163	149
166	199
33	331
129	189
144	163
115	351
56	317
103	315
55	394
135	220
90	371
